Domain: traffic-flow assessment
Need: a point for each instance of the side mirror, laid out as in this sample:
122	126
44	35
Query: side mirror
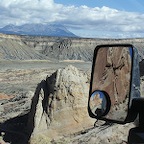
115	82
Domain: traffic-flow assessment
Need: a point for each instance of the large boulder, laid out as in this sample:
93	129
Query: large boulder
59	106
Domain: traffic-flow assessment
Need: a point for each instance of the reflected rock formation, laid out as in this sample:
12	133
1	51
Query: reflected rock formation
112	73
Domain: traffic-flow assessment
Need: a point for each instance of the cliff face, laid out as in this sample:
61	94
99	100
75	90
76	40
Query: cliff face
74	48
113	76
63	48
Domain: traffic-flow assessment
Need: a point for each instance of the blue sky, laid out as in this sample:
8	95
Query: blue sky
126	5
85	18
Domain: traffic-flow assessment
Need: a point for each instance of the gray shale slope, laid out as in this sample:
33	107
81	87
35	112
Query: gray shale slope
12	48
74	48
55	48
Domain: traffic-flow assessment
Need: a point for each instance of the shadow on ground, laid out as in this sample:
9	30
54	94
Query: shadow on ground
19	129
15	130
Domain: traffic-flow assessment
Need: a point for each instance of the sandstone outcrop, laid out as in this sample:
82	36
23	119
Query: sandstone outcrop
59	106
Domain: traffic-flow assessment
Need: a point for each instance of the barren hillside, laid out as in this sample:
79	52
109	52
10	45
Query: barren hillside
55	48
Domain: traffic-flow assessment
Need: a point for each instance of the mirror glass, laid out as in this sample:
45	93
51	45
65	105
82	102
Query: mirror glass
98	103
111	73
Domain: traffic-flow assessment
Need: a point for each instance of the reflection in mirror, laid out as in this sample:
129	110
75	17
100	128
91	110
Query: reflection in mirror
112	74
98	103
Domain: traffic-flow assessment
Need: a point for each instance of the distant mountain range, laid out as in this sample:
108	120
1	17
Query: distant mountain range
38	30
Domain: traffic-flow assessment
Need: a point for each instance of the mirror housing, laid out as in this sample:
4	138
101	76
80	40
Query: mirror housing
115	82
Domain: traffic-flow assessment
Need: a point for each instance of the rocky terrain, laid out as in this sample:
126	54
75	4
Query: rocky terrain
56	114
44	87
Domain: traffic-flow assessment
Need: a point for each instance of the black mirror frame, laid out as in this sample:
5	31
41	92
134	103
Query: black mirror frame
134	84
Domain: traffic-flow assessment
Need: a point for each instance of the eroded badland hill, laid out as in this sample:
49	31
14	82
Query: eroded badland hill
44	87
55	48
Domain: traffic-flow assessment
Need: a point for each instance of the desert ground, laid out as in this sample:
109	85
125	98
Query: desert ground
18	78
26	61
18	82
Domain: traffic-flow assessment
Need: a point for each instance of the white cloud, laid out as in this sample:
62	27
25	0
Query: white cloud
78	19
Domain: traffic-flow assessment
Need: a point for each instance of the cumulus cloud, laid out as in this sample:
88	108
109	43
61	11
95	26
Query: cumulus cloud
77	19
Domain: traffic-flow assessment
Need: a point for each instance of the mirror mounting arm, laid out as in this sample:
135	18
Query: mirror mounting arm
136	135
138	108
